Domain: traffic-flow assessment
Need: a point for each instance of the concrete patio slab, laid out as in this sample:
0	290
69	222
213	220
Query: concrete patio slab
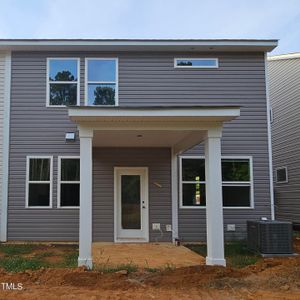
152	255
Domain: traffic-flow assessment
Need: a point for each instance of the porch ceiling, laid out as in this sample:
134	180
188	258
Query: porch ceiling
178	127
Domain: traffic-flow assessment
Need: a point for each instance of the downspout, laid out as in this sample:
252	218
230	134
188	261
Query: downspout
269	139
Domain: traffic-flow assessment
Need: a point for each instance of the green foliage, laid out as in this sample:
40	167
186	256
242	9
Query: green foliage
237	254
104	95
16	249
19	263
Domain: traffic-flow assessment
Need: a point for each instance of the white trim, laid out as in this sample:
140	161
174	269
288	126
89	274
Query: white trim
145	222
41	182
286	174
59	182
86	81
197	59
269	140
284	56
5	154
224	113
62	82
224	183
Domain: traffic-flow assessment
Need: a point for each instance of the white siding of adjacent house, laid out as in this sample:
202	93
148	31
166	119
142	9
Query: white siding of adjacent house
4	132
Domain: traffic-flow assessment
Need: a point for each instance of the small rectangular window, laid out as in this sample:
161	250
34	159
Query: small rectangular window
68	182
63	81
281	175
101	81
236	182
196	63
39	182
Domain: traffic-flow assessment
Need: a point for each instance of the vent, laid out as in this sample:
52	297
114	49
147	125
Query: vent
270	237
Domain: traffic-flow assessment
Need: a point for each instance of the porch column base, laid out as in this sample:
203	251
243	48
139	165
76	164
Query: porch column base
215	261
87	262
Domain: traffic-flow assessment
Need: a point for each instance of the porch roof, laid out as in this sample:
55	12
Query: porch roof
177	127
153	113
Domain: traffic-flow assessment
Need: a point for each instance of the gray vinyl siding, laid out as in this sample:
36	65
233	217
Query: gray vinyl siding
284	86
159	167
144	79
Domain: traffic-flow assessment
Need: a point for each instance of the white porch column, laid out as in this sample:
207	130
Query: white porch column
214	202
85	215
174	186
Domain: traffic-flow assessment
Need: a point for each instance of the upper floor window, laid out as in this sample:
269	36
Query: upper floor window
237	183
196	63
63	81
101	81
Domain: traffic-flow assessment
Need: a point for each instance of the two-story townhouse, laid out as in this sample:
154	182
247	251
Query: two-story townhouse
156	139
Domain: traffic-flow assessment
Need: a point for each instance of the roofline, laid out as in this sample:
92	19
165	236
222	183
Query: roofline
229	44
284	56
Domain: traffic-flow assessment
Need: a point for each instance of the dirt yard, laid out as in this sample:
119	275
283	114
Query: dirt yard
272	278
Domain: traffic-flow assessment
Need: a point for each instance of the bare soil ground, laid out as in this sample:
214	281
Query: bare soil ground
150	255
271	278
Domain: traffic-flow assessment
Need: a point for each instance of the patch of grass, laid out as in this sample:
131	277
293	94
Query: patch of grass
237	253
151	270
169	267
16	249
71	260
19	264
44	254
130	268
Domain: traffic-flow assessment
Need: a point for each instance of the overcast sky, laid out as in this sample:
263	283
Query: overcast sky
203	19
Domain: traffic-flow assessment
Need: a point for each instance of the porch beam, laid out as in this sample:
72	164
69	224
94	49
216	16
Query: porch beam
214	201
85	215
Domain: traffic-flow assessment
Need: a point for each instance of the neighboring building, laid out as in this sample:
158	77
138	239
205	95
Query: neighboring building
284	87
144	114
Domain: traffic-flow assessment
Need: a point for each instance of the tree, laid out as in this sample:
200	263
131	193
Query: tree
63	94
104	95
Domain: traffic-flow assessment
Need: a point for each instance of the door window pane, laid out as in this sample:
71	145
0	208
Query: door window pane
131	202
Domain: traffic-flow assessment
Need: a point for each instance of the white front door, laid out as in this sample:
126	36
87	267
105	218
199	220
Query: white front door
131	204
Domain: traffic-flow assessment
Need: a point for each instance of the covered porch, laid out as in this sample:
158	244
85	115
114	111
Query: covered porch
176	128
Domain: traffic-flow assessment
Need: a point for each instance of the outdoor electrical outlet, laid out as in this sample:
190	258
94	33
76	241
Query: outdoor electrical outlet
155	226
168	227
230	227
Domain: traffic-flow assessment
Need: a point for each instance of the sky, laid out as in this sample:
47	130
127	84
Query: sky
197	19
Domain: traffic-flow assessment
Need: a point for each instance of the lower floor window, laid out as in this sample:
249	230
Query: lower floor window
236	182
68	181
39	181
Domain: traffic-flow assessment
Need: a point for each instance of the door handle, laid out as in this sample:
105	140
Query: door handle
144	206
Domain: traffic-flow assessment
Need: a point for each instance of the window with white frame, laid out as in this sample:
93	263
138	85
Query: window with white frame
281	175
39	182
63	81
236	182
101	81
68	181
196	63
